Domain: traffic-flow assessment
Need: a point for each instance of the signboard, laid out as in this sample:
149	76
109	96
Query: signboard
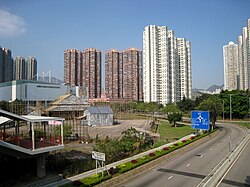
200	120
55	122
98	156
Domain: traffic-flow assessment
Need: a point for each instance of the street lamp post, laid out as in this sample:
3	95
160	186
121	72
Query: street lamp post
223	111
230	107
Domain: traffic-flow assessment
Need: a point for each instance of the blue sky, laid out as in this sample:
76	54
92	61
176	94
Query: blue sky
45	28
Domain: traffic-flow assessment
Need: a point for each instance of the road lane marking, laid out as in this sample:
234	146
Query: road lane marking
187	165
170	177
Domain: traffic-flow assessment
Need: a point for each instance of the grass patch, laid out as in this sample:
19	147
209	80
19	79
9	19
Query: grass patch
169	133
129	116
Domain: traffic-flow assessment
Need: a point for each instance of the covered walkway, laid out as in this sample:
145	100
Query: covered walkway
30	136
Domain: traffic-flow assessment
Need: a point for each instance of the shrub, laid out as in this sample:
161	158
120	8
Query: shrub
77	183
112	171
176	144
94	180
192	137
143	157
151	154
165	148
133	161
121	166
183	141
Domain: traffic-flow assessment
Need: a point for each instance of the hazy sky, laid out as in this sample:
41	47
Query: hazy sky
45	28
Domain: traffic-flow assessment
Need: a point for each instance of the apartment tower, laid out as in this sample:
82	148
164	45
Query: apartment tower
71	64
83	68
132	74
91	72
20	68
238	78
6	65
114	74
167	66
230	54
31	68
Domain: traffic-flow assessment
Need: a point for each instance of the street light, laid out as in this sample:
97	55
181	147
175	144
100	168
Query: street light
230	107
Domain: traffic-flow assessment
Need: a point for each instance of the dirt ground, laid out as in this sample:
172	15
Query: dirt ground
114	131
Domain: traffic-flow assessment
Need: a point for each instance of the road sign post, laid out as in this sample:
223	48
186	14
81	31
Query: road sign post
99	157
200	120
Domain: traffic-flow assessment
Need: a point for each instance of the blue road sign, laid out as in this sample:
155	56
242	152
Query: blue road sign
200	120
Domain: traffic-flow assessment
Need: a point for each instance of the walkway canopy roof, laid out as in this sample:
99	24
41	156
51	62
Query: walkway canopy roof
8	115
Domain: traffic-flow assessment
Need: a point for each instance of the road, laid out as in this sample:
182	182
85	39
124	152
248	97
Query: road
239	174
190	168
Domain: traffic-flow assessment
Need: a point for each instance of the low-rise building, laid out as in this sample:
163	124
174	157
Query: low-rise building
99	116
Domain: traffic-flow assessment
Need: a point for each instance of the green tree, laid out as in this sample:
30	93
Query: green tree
214	105
173	113
239	103
186	105
140	106
200	99
4	105
152	107
174	117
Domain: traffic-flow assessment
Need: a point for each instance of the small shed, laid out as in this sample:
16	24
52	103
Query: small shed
99	116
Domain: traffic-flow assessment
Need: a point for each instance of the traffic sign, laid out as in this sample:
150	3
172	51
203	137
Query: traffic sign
200	120
98	156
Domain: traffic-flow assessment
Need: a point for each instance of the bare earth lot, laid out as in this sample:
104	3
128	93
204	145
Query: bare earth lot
114	131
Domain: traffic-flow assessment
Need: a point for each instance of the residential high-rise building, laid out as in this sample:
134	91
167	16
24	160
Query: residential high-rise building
167	66
71	59
132	74
91	72
184	55
6	65
248	52
20	68
243	62
230	54
31	68
1	66
114	74
83	68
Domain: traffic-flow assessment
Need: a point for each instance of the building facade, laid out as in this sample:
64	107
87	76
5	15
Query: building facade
71	57
114	74
31	68
20	68
91	78
184	55
132	74
32	91
83	68
6	65
230	54
167	66
239	60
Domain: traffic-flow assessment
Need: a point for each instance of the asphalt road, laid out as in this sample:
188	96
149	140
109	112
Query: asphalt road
190	168
239	174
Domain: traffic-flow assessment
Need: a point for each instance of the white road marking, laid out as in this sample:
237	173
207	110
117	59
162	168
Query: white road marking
201	156
170	177
187	165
